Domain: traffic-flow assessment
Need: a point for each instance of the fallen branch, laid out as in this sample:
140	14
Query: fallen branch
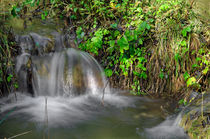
46	119
105	88
7	115
19	135
104	92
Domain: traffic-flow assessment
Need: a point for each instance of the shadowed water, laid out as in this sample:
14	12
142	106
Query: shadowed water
80	117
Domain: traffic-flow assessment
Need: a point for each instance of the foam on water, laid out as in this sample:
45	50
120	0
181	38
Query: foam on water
61	111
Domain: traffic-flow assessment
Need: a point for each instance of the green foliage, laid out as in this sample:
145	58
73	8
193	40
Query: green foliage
161	74
129	36
182	102
124	50
93	44
186	76
191	81
123	44
185	31
44	15
183	43
205	71
16	85
9	78
108	72
15	10
7	50
80	33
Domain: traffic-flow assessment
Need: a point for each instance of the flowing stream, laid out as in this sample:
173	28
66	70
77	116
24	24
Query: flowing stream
60	97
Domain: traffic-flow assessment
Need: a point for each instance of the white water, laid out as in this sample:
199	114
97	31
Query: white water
67	72
120	116
169	129
61	111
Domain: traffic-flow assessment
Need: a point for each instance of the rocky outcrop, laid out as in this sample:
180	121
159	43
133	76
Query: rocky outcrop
196	117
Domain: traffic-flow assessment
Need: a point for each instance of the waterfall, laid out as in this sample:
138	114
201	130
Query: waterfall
67	72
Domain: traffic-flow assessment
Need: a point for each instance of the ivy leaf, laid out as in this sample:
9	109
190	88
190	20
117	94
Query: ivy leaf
122	67
108	72
43	17
82	35
136	73
114	25
195	66
140	41
13	11
123	43
177	57
143	75
161	75
205	70
16	85
45	13
129	35
198	59
182	101
37	3
148	26
111	44
9	78
191	81
141	66
116	33
74	17
186	76
183	43
125	73
141	59
143	26
75	10
185	31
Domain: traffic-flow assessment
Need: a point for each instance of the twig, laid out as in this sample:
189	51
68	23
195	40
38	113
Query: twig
105	88
200	79
202	105
7	115
46	118
104	92
191	4
19	135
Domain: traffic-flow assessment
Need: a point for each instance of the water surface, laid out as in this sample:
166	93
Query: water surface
121	117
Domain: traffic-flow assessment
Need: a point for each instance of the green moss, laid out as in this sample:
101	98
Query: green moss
192	120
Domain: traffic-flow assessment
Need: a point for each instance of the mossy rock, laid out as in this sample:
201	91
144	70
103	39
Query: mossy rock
195	120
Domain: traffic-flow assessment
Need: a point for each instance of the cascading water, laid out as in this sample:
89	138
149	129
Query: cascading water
67	86
69	72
